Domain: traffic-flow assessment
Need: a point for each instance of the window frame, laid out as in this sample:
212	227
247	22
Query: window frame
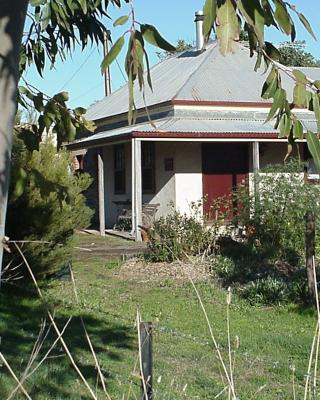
119	171
148	147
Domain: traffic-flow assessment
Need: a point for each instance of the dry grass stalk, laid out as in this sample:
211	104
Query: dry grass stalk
318	336
131	381
14	376
28	374
34	353
223	364
229	341
93	395
226	373
100	374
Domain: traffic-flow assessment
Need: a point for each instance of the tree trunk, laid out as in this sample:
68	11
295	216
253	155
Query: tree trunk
310	253
12	18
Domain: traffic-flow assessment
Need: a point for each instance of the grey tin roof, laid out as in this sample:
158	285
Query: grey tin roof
208	76
217	124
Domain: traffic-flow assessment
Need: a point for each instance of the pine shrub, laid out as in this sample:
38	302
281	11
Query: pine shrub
46	203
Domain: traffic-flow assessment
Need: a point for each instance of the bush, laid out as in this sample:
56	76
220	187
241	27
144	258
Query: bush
50	206
268	264
276	214
179	235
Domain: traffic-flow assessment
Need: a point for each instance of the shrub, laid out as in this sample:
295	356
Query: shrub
269	263
276	214
50	206
265	291
178	235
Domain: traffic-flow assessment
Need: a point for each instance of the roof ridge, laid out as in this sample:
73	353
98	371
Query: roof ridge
214	45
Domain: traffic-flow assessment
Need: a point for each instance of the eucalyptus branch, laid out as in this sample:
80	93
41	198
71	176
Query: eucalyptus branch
288	71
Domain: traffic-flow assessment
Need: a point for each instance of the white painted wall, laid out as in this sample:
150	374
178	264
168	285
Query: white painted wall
165	180
189	186
174	189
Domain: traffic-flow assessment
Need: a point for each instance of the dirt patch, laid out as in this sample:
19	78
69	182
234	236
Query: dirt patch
137	269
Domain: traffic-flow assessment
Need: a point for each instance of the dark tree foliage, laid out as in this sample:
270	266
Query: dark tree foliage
294	55
47	206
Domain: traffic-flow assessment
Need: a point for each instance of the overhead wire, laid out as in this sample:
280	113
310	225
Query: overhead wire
78	70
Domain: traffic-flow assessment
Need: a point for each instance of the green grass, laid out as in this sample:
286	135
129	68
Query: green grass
272	339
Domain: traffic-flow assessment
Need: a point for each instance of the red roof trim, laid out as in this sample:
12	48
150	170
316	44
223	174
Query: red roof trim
221	103
209	135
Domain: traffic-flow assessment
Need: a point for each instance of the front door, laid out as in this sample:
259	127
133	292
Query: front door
225	166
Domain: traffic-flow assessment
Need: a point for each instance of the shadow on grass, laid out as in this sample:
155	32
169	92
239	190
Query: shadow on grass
20	320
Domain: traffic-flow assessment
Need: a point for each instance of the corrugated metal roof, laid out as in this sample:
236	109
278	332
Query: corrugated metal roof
208	76
189	126
167	76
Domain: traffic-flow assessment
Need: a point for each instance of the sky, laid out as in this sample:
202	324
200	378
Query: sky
81	76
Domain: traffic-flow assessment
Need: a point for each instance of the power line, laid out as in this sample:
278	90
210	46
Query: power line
120	69
88	91
77	71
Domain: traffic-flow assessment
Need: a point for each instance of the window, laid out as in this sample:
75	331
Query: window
148	167
119	169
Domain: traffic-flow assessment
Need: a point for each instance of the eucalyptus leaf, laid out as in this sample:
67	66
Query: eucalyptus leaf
228	26
210	13
278	103
297	130
113	54
121	20
151	35
316	109
314	148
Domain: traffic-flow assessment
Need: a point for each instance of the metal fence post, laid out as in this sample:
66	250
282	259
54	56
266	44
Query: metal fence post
146	358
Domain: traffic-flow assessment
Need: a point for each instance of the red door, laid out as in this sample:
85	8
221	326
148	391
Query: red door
225	167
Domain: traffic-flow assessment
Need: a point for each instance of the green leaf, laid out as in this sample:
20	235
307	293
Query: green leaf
80	110
121	20
113	54
151	35
61	97
132	108
314	148
210	13
300	95
228	27
45	16
271	85
148	70
254	16
272	51
83	5
284	126
35	3
278	103
316	109
307	25
282	17
297	130
268	13
20	179
303	20
300	77
258	62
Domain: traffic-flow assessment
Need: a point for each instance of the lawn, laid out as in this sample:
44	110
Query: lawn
272	340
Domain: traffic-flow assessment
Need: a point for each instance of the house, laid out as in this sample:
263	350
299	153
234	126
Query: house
208	135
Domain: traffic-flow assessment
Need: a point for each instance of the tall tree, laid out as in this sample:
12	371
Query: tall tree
294	55
56	26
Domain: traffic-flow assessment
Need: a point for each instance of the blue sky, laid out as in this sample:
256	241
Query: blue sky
81	77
